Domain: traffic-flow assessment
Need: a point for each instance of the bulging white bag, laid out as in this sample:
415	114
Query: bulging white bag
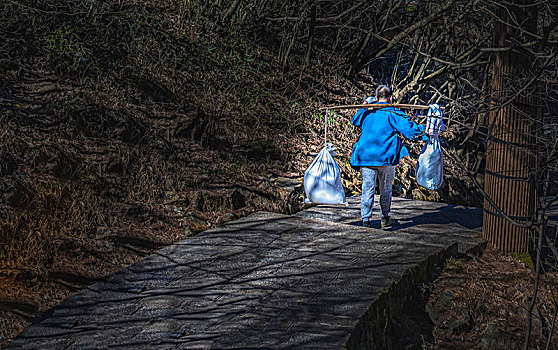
430	166
322	179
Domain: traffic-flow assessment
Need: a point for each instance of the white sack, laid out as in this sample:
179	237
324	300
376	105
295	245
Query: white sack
430	166
322	179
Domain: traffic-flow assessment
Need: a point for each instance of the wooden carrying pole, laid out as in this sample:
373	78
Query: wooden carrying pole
377	105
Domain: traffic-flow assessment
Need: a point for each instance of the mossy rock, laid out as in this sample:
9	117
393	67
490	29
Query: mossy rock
131	131
446	313
115	166
495	338
238	200
526	258
155	90
8	165
185	128
15	194
195	222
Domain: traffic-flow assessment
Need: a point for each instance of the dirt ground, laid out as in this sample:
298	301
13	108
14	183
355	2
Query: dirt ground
481	303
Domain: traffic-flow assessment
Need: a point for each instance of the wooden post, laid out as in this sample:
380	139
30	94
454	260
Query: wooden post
510	155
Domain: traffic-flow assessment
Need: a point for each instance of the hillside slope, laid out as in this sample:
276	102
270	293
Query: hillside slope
126	126
124	129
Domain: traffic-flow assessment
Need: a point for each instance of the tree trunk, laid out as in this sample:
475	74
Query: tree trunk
302	17
510	155
311	28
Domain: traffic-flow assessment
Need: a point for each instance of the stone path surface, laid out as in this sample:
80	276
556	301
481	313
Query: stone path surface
449	221
313	280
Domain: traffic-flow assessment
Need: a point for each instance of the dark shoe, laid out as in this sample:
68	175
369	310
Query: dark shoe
366	223
386	223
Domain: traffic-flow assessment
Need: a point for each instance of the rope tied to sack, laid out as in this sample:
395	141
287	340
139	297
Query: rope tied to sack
434	122
325	128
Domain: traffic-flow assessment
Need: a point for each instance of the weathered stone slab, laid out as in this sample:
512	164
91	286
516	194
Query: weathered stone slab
462	224
264	281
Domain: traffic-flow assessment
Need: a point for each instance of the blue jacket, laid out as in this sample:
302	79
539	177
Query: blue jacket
379	143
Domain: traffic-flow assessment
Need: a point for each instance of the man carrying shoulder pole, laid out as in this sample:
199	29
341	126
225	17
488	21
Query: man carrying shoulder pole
379	149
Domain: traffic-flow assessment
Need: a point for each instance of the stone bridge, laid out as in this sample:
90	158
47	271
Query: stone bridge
314	280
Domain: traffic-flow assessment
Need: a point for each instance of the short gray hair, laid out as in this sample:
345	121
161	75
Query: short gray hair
383	92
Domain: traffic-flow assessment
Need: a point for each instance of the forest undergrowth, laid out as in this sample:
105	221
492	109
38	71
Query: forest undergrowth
479	302
127	126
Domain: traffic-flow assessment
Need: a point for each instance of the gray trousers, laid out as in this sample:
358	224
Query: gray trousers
385	176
